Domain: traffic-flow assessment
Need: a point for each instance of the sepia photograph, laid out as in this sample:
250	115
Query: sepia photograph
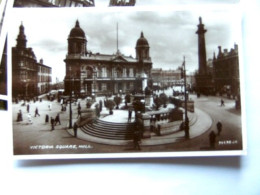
106	83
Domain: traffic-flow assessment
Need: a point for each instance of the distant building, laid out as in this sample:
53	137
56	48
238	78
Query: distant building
54	3
29	77
90	73
226	71
166	78
44	77
122	2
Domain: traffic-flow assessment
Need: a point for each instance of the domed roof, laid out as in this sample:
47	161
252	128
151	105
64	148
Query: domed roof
77	31
21	35
141	42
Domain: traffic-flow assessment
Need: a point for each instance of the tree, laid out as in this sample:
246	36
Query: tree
110	104
164	99
117	100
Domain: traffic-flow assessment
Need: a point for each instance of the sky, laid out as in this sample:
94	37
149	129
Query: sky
171	33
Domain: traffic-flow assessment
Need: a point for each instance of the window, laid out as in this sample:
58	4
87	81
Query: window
21	63
131	72
131	85
104	72
104	87
124	72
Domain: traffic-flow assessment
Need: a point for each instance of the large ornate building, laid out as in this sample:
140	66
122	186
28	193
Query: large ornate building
54	3
29	77
226	71
95	73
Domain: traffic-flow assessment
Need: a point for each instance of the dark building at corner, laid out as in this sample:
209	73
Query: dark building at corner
29	77
122	2
54	3
226	72
204	82
90	73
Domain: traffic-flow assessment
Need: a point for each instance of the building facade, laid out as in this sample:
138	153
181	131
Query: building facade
29	77
226	71
166	78
54	3
90	73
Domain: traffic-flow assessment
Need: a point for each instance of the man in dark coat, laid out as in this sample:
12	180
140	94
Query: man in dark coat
75	129
129	115
57	119
219	127
36	112
47	118
28	108
52	123
212	139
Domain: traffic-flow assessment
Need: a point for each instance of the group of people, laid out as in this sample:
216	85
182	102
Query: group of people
53	120
29	116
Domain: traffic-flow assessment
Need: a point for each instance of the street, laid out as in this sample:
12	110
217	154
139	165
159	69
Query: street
37	138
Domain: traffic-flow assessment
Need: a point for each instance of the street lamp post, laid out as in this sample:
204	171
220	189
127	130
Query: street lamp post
94	83
70	118
186	125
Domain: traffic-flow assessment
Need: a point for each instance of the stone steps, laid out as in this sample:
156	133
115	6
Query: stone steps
109	130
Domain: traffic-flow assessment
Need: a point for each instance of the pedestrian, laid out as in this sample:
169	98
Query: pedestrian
79	106
79	113
52	123
36	112
219	127
75	129
136	139
100	105
46	119
19	116
28	108
129	115
222	103
57	119
212	139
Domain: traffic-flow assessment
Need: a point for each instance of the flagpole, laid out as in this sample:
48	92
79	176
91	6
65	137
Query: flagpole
186	126
117	37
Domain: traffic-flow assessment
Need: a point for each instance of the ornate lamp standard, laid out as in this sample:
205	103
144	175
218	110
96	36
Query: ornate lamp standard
186	122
